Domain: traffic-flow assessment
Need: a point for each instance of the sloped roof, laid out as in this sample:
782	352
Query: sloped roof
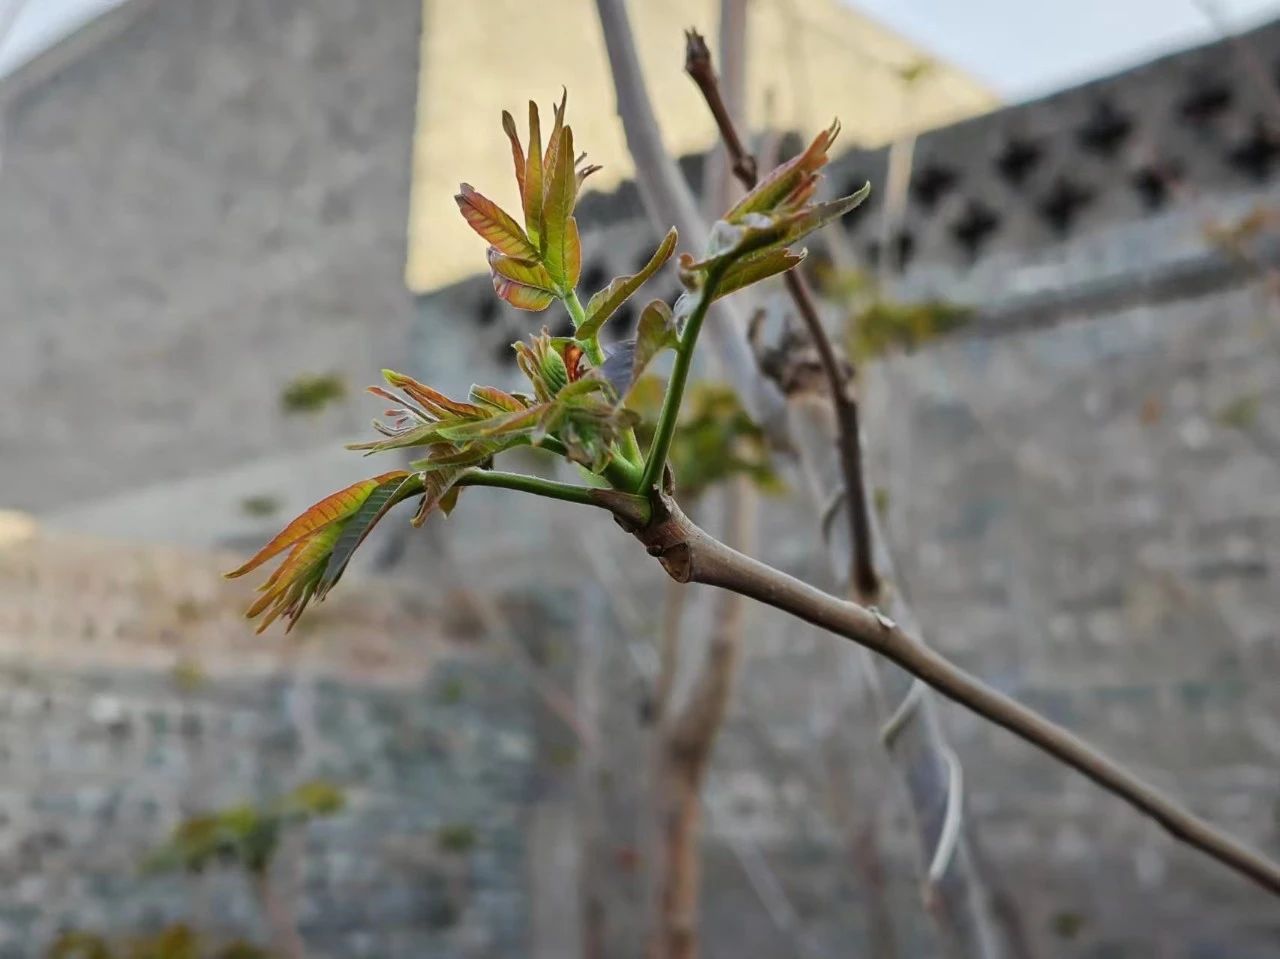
805	63
76	44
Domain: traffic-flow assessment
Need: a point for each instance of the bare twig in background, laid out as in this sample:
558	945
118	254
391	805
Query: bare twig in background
763	880
966	913
962	906
589	679
839	378
685	742
668	200
285	940
673	606
690	556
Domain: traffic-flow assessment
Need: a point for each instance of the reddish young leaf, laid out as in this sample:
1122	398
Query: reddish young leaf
602	305
494	224
496	398
572	253
419	435
432	400
756	267
561	249
553	141
334	507
517	151
354	530
502	425
438	492
532	195
448	455
790	184
584	172
291	586
655	332
525	285
756	233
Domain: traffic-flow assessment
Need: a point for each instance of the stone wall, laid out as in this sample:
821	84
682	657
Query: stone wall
133	695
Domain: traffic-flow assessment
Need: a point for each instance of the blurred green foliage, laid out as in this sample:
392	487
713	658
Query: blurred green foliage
172	942
877	325
262	504
245	835
715	439
1240	413
882	327
309	393
458	838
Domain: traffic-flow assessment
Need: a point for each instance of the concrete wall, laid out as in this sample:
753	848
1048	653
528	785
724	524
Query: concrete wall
133	695
208	203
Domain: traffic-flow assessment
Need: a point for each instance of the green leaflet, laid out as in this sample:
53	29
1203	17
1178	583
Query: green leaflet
759	232
531	188
561	246
495	398
358	526
524	284
756	267
604	304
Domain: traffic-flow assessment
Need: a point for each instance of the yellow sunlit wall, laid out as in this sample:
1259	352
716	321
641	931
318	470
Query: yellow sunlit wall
807	61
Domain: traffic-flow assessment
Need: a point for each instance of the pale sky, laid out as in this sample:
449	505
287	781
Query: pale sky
1019	47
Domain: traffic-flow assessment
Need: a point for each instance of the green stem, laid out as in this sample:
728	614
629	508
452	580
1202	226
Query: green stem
630	448
578	314
528	484
666	428
619	473
568	492
622	473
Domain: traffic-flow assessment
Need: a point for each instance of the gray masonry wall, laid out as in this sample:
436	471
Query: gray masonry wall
133	695
207	203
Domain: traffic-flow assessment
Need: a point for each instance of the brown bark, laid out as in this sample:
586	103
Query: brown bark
921	750
869	864
282	925
685	744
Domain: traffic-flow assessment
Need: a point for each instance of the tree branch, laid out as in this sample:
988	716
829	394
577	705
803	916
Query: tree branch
862	575
668	200
612	500
965	915
685	743
690	555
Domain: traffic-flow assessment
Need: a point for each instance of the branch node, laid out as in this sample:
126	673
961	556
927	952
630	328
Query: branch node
884	621
677	560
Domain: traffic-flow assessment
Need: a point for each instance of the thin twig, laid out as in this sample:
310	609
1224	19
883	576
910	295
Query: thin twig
862	576
697	63
668	200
